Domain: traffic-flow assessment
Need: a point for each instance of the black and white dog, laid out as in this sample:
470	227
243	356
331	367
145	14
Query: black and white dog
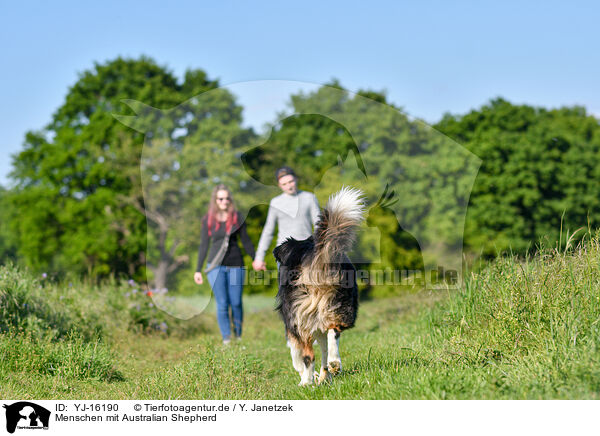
318	296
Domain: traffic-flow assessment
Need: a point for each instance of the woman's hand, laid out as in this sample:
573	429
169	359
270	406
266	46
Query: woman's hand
258	265
198	278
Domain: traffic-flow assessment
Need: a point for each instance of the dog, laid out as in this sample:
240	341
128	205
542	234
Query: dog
318	295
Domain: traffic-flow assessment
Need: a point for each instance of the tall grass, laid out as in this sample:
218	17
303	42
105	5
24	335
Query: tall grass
538	317
71	357
67	328
29	304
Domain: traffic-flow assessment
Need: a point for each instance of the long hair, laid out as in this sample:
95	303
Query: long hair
211	217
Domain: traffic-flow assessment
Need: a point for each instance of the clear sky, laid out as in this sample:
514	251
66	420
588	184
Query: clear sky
430	57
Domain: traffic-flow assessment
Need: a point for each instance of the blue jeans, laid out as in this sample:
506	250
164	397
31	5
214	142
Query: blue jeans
227	283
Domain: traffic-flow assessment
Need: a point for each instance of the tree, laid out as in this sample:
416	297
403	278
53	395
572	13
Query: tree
188	149
539	173
72	177
8	250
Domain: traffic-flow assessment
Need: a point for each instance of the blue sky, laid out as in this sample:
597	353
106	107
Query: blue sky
430	57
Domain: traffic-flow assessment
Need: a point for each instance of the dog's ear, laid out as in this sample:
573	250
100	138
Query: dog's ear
292	251
281	253
287	252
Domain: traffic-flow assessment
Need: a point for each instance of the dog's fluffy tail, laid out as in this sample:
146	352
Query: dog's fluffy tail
336	229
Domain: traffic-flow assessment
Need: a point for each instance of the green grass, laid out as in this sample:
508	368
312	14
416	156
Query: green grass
520	329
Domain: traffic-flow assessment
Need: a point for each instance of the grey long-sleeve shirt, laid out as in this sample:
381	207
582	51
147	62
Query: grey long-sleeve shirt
294	216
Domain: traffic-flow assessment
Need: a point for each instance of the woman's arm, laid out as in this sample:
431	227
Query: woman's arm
246	241
203	249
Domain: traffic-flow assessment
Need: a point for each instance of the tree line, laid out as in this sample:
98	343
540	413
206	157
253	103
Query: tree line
117	181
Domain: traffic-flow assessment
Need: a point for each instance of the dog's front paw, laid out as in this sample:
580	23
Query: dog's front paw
305	382
324	377
335	367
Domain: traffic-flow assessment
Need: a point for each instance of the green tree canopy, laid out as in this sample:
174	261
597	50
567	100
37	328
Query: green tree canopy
188	150
70	178
539	167
8	249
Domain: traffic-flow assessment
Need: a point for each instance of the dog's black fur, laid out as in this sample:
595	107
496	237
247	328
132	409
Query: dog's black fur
290	255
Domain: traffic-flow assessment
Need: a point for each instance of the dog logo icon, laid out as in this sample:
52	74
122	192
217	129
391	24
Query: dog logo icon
26	415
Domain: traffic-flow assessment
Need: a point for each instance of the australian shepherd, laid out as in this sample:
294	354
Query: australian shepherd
318	296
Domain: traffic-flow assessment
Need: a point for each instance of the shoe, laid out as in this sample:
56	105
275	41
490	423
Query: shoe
226	341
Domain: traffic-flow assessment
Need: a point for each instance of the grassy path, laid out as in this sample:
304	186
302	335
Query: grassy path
199	367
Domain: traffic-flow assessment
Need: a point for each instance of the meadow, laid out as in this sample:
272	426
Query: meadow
521	328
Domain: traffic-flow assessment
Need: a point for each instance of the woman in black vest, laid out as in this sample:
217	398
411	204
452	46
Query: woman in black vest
222	226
